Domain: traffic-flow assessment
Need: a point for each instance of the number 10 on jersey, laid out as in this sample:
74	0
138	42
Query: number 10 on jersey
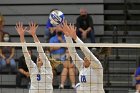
83	79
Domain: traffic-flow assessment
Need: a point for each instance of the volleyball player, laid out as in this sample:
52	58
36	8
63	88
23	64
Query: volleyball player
90	68
41	73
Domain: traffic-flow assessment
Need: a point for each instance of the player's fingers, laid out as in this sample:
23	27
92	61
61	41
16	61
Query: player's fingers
61	26
16	25
21	24
75	28
29	24
36	26
32	23
65	22
58	27
25	29
70	26
16	28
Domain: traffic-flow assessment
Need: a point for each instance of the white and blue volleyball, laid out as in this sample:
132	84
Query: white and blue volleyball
56	17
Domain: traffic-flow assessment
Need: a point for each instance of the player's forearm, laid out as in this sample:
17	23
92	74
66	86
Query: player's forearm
35	38
22	40
24	48
41	53
39	48
94	61
75	57
27	56
72	50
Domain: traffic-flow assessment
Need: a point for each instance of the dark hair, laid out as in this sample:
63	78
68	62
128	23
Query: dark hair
29	49
47	49
59	33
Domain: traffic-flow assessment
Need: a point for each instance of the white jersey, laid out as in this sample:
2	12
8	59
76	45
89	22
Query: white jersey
41	80
91	78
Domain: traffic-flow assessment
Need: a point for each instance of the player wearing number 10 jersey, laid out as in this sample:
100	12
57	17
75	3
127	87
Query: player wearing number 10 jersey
90	68
41	74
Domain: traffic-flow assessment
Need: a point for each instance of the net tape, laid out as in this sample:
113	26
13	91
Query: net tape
122	45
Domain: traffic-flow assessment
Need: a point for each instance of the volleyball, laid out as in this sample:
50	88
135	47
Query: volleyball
56	17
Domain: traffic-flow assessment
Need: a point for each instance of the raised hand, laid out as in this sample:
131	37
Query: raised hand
72	31
64	28
32	28
69	30
20	29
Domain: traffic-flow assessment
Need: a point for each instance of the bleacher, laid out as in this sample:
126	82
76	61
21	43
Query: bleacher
112	19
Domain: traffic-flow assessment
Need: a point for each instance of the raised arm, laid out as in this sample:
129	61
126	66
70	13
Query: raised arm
28	60
75	57
89	55
40	50
71	31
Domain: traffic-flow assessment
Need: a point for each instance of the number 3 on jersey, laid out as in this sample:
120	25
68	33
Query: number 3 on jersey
38	77
83	79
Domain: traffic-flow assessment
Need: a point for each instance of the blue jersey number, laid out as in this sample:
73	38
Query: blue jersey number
83	79
38	77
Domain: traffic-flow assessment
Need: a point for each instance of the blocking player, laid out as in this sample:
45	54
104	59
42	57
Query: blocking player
41	73
90	68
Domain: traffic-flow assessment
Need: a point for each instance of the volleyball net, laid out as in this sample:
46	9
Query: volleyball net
119	61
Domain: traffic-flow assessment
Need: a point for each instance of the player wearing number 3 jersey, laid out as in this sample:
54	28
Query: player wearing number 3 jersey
90	68
41	73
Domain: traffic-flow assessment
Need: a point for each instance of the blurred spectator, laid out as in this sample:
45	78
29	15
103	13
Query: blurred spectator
58	53
47	52
7	54
104	54
23	71
57	66
1	27
137	78
59	56
68	69
84	24
50	29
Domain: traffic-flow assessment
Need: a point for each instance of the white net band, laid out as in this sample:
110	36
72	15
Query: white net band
122	45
